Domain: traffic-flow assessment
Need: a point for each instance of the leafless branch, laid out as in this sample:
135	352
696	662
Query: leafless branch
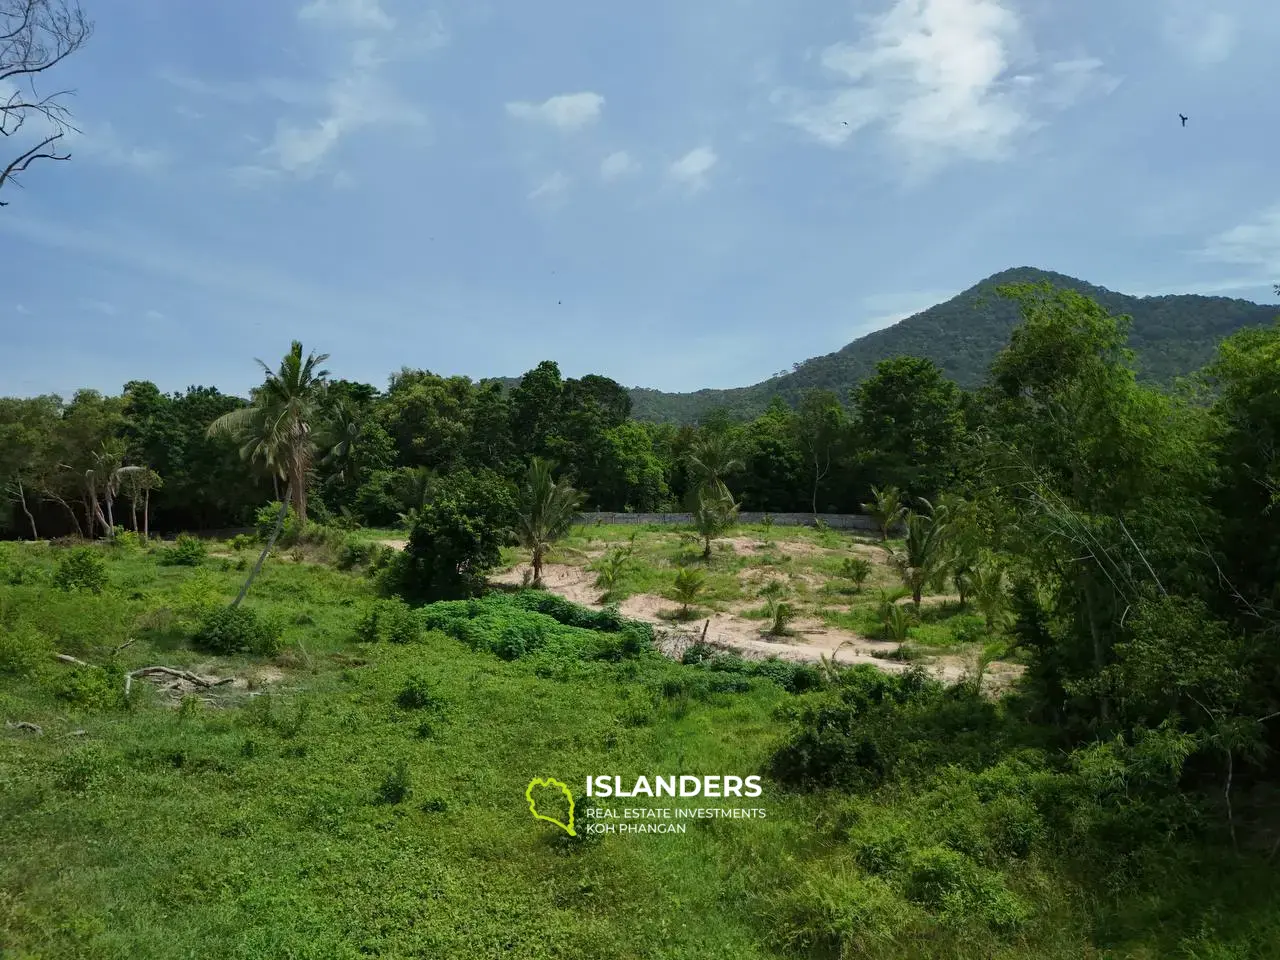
36	35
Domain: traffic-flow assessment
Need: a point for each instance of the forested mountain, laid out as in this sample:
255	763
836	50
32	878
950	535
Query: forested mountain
1172	336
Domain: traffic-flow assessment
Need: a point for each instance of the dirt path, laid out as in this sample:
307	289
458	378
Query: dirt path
810	641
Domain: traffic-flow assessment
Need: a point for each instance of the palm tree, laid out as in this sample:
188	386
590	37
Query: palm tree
714	511
923	555
711	458
277	427
887	509
546	512
687	587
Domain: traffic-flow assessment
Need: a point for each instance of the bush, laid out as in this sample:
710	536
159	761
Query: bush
456	539
24	650
187	551
15	570
81	568
264	520
228	630
127	541
354	552
89	687
389	621
243	541
416	694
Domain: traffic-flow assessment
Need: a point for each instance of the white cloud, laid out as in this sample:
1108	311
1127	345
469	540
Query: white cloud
552	186
1254	243
1201	35
944	78
104	145
618	164
361	14
356	99
567	111
693	167
153	315
21	309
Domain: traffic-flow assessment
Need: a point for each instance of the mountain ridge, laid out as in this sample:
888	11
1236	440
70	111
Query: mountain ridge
1171	334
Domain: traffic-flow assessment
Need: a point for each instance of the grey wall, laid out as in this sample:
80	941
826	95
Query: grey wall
837	521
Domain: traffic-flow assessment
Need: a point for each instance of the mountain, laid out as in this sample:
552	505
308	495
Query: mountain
1170	335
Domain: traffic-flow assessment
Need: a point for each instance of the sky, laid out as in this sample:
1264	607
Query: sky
673	194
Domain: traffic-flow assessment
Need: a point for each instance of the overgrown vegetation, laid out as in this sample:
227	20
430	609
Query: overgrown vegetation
332	762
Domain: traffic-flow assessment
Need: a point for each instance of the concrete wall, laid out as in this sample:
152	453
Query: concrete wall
837	521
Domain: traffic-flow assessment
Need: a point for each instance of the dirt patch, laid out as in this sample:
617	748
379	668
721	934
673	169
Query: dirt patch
394	544
794	548
572	583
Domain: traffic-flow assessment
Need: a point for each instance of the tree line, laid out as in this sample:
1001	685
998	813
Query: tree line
148	460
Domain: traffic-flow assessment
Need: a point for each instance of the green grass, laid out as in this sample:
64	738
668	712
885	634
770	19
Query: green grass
332	815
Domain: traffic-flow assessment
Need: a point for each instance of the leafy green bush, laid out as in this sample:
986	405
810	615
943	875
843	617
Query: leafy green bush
127	541
264	521
389	621
354	552
16	570
228	630
24	650
416	694
89	687
243	541
187	551
81	568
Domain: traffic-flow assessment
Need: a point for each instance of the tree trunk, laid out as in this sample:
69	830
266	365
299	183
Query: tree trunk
146	515
284	508
537	567
111	519
133	513
22	497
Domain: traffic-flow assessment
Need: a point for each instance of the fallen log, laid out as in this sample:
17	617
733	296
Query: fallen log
24	725
175	673
67	658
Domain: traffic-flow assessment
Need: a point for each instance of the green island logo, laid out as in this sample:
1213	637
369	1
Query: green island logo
552	783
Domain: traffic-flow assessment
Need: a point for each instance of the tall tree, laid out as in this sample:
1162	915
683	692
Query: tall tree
819	429
35	36
27	434
278	428
909	423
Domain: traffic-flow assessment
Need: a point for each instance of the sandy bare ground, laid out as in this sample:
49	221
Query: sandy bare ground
809	641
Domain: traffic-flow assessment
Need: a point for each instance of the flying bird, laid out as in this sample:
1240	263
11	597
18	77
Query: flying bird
1183	119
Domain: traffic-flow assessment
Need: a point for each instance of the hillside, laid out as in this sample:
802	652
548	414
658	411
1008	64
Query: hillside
1171	335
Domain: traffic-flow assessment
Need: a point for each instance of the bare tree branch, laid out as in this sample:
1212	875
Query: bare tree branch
36	35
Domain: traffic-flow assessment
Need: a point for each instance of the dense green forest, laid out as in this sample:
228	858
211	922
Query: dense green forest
1171	336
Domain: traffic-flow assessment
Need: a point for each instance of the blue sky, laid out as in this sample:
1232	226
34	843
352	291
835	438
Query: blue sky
674	194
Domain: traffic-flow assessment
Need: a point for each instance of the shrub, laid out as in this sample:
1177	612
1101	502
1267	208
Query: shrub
81	568
15	570
416	694
856	570
89	687
24	650
397	785
187	551
127	541
242	541
264	520
237	629
389	621
456	539
353	552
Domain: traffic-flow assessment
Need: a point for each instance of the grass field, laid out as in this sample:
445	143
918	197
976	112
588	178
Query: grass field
345	798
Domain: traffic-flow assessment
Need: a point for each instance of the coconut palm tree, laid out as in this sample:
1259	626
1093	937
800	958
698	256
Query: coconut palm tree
714	512
546	512
277	428
275	431
923	555
886	508
711	458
